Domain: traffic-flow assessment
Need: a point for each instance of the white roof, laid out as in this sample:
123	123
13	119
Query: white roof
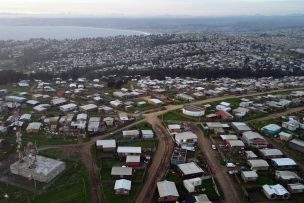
241	126
250	174
229	137
122	184
117	170
258	163
129	150
285	134
275	189
236	143
130	132
67	106
133	158
174	126
167	188
185	136
88	107
271	152
272	127
147	132
106	143
34	125
284	162
190	168
156	101
296	186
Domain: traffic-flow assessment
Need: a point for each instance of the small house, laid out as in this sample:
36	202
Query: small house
147	134
258	164
122	172
190	170
284	163
133	161
122	187
275	192
106	145
248	176
167	191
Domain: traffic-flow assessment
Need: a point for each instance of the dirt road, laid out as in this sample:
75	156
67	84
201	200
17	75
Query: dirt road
213	159
160	162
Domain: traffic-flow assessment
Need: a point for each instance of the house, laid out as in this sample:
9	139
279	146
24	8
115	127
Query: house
34	127
191	184
125	151
291	125
179	156
174	128
240	112
147	134
68	107
82	117
228	137
271	129
186	138
235	144
284	163
122	172
190	170
254	139
122	187
270	153
141	104
295	188
258	164
133	161
15	99
250	155
155	102
3	129
32	102
25	117
58	101
224	115
106	145
296	144
123	117
88	107
275	192
202	198
94	124
167	191
109	121
248	176
287	176
285	136
240	127
42	107
130	133
184	97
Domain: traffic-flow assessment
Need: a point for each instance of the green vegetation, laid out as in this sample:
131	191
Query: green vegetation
177	115
209	189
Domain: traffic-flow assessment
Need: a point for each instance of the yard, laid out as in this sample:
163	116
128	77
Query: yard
71	186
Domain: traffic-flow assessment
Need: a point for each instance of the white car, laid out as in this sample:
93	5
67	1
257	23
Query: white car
213	147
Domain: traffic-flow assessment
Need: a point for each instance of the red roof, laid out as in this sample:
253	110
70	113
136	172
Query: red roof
224	114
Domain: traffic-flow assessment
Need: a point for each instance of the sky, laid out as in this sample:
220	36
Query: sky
152	7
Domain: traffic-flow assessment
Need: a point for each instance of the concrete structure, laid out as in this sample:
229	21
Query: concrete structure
194	111
186	138
45	169
167	191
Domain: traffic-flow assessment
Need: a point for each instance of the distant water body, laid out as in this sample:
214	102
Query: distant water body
60	32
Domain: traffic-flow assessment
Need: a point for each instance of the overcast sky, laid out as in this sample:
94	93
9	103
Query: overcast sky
153	7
